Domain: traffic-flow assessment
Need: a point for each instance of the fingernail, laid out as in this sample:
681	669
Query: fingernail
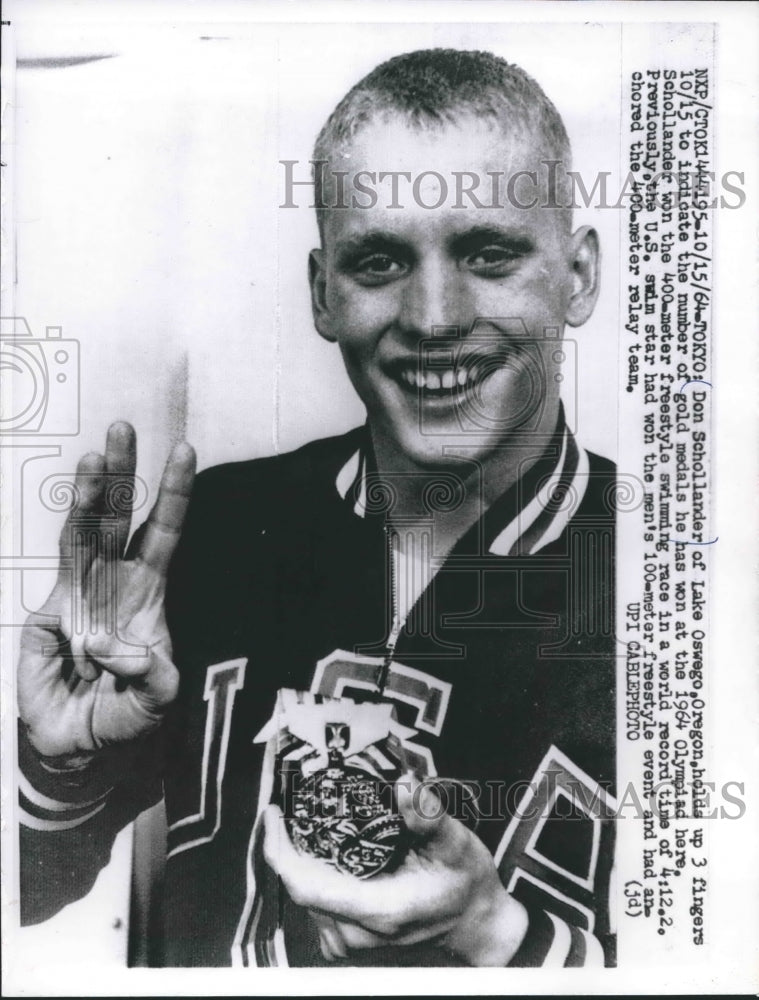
430	805
183	451
120	427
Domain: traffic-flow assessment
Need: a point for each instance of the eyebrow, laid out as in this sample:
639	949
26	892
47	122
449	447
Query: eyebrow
378	240
460	244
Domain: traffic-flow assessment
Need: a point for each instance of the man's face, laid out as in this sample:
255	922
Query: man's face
498	278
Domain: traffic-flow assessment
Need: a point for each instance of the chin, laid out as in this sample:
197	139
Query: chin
440	450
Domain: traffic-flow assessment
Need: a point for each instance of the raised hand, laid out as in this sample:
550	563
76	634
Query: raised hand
95	667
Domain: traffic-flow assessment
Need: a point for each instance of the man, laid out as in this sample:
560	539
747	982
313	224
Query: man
452	558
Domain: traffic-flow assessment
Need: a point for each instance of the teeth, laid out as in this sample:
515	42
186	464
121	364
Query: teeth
432	380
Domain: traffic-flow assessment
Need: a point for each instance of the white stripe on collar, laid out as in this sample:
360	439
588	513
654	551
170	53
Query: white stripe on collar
505	541
346	477
353	476
575	493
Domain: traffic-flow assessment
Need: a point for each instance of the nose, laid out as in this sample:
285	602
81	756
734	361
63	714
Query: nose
431	297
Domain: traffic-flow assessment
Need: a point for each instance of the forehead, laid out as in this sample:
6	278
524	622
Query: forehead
420	177
469	142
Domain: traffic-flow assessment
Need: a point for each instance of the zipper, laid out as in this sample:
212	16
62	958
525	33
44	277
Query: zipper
397	625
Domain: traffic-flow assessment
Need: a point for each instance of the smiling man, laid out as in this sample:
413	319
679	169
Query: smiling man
447	568
502	282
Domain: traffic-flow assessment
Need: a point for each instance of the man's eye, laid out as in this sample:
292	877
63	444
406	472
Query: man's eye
378	268
492	260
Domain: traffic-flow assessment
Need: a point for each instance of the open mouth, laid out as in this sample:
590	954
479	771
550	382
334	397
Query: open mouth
451	383
440	383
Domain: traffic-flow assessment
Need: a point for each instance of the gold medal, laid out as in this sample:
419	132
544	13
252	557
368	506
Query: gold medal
337	762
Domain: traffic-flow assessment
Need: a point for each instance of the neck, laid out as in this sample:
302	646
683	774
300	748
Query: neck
456	493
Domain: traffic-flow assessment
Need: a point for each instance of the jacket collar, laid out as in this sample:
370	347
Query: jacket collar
530	515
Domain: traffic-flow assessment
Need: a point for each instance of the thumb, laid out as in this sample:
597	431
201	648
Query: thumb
421	807
276	839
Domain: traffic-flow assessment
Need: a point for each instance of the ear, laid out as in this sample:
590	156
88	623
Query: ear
585	265
317	279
